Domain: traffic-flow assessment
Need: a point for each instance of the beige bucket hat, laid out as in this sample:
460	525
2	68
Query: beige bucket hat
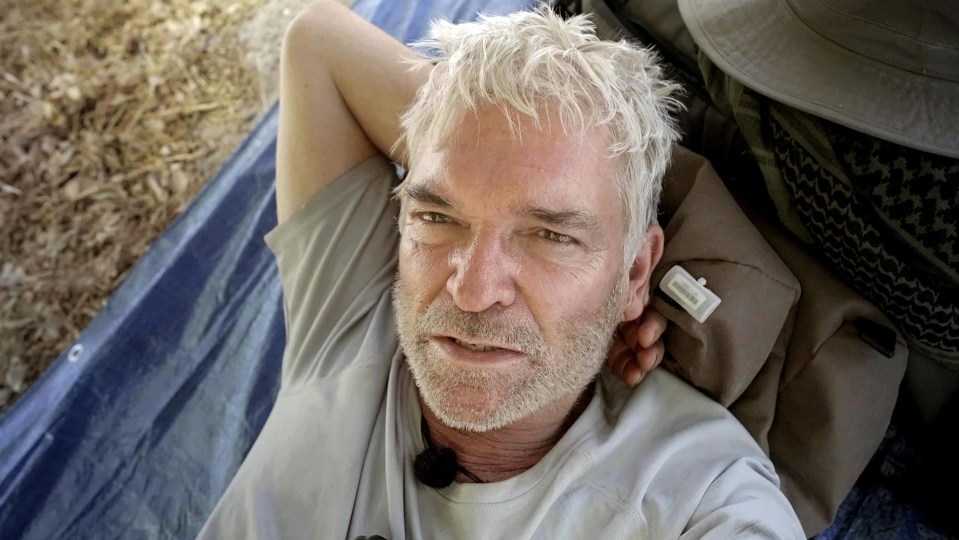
888	68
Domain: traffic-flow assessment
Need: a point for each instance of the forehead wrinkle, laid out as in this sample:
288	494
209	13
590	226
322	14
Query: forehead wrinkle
425	194
425	191
429	185
575	219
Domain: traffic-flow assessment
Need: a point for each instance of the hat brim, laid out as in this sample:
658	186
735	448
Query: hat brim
766	47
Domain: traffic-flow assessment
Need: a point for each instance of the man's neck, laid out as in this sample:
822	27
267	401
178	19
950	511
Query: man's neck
503	453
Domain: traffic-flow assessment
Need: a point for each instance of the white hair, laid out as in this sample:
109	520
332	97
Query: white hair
532	58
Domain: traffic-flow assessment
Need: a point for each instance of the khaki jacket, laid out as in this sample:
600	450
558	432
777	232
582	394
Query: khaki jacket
786	351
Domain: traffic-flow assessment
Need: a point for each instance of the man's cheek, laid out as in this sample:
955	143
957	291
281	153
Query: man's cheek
424	269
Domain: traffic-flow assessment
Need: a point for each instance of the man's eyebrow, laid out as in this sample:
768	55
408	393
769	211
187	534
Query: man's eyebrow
570	219
425	195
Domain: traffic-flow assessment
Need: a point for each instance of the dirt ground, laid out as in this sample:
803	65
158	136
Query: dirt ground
112	116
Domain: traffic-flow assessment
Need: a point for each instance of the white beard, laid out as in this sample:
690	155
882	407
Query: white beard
482	400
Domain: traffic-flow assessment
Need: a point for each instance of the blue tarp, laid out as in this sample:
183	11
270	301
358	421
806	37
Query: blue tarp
138	435
136	430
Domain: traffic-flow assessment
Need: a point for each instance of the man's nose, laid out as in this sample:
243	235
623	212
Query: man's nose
483	273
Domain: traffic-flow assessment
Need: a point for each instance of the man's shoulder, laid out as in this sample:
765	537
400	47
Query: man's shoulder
665	443
336	259
667	416
665	403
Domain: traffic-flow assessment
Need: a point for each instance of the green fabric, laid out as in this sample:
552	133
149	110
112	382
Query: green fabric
736	101
885	216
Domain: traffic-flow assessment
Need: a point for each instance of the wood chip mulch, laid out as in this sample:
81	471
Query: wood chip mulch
112	116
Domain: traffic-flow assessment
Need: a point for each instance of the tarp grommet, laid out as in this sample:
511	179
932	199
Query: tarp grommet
75	352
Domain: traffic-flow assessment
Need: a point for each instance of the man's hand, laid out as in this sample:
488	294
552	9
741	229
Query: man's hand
638	347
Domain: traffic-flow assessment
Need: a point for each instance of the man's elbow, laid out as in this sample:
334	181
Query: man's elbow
308	33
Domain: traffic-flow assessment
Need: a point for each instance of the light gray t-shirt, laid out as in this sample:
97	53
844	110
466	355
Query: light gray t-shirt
334	459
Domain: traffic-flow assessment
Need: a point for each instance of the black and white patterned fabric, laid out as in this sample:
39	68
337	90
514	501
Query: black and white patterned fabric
885	216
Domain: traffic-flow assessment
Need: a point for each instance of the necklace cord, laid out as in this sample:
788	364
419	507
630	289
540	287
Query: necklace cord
424	429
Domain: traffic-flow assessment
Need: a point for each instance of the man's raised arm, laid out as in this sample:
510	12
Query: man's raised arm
343	85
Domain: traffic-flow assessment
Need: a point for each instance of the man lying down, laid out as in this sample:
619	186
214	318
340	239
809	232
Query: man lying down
523	235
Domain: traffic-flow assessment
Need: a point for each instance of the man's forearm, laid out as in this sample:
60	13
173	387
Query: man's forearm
371	69
343	85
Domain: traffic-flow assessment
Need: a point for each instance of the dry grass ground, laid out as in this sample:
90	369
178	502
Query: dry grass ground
112	116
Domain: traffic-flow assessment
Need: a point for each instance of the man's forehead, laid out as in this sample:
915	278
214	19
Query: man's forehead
541	171
526	178
545	141
436	171
555	162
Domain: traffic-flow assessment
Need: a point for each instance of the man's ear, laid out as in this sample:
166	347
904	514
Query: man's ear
641	271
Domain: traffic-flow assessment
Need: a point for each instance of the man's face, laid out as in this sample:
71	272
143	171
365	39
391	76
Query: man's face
510	279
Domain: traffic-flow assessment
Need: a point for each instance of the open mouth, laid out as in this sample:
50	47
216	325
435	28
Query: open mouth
470	351
477	355
475	347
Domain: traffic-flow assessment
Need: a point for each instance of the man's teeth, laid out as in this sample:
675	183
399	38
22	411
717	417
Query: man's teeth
480	348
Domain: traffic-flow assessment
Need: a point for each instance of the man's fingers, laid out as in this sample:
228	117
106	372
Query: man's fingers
638	347
619	355
637	365
616	349
622	365
649	358
632	374
650	329
642	333
630	332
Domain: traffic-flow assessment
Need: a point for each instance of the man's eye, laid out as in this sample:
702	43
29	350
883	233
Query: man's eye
556	237
433	217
